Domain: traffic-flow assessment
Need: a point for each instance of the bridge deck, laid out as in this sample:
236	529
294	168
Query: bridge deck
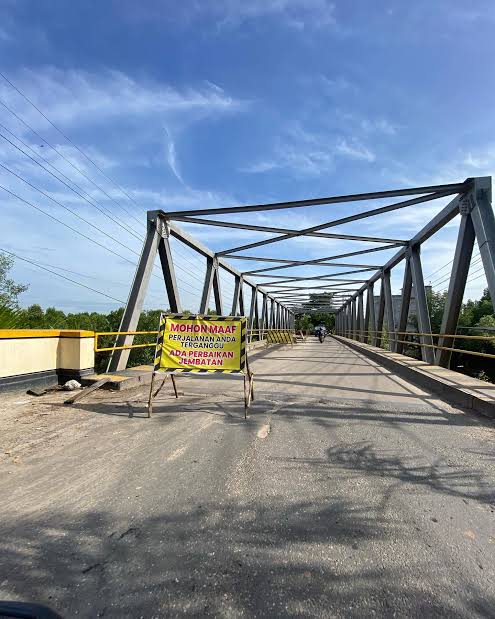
347	493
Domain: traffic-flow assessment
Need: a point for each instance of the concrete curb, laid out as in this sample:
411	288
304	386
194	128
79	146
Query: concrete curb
453	387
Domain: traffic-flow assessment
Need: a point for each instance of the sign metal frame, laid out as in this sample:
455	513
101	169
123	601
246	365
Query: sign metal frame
243	360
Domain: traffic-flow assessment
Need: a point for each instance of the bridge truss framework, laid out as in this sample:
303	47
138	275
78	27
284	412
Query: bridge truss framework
282	295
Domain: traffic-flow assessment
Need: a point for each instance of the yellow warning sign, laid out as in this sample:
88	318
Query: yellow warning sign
201	344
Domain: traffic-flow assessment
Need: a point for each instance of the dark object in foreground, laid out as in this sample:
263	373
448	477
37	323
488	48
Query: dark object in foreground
26	610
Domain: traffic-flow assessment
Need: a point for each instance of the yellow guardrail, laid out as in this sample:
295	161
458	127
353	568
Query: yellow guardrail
127	347
272	336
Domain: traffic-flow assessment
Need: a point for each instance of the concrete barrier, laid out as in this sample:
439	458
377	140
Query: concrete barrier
41	357
453	387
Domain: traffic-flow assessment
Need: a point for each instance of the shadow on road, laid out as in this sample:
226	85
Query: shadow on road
221	560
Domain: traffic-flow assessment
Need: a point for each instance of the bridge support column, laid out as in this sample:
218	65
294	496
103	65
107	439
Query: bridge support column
457	285
371	322
264	315
238	298
380	317
484	227
217	293
130	318
423	314
252	320
353	319
405	304
389	310
360	317
207	286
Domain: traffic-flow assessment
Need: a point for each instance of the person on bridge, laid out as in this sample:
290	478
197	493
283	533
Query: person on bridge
321	332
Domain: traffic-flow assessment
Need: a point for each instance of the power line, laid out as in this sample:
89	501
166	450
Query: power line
66	137
438	281
91	202
54	266
73	281
88	238
69	210
66	159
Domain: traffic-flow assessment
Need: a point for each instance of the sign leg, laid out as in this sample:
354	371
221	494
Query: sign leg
174	384
150	399
246	401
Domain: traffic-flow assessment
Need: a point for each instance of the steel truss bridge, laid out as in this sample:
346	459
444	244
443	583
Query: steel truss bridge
280	296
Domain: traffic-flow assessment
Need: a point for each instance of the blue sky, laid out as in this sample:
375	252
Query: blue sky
201	104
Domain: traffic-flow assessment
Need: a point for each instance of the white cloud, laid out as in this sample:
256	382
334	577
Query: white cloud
307	153
353	149
75	98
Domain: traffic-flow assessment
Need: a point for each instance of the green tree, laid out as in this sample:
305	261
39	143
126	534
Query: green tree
9	289
304	323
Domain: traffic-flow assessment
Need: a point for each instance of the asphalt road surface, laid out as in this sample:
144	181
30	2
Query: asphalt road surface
347	493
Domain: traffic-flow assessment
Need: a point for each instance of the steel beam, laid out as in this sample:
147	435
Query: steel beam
405	303
291	262
484	227
353	319
168	271
207	286
389	310
243	226
360	317
434	225
264	315
217	292
423	314
315	261
329	277
237	292
241	298
252	309
371	323
130	318
393	193
457	285
338	222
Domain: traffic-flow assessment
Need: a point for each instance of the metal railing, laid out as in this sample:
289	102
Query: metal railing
271	336
361	336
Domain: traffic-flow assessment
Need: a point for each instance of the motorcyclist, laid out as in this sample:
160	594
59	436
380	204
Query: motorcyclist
320	332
